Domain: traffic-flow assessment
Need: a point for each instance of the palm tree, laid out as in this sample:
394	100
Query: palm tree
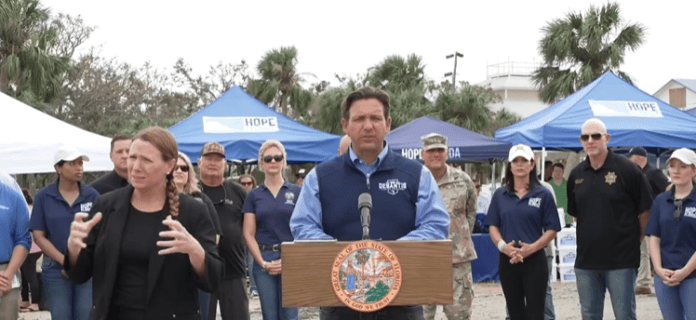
576	50
395	73
27	71
280	82
467	107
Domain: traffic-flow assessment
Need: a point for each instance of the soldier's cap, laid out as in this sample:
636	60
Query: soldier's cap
521	150
434	141
213	148
637	151
684	155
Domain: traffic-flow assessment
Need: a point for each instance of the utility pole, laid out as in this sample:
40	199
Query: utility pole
454	74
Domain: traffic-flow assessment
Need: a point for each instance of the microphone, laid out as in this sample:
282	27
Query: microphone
365	205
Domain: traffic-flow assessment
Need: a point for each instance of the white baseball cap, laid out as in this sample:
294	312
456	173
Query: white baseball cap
521	150
68	153
684	155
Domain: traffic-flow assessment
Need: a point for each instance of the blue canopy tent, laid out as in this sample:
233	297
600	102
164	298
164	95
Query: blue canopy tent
241	123
691	111
632	117
464	145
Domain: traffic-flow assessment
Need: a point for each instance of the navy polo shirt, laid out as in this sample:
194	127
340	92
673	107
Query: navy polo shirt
677	240
51	213
272	213
523	219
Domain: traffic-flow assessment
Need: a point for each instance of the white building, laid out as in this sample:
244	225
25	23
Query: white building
680	93
512	81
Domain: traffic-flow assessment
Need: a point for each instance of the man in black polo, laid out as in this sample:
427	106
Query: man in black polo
120	145
228	198
610	197
658	184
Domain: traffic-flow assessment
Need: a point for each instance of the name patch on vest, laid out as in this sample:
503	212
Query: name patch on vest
392	186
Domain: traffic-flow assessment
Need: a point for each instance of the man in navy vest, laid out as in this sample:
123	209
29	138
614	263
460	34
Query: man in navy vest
406	201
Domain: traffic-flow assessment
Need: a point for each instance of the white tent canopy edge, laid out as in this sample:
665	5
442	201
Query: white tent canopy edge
30	138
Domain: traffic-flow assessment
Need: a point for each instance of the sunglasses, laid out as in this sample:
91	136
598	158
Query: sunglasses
268	159
182	168
595	136
246	183
677	212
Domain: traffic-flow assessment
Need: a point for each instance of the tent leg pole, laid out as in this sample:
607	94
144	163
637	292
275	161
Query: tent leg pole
493	178
543	163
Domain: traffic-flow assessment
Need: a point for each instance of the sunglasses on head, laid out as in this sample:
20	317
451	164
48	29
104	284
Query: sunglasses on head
595	136
268	159
182	168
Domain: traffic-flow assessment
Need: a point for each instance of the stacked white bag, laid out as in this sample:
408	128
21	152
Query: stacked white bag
567	252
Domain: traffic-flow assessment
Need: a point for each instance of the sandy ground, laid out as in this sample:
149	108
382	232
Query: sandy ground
489	304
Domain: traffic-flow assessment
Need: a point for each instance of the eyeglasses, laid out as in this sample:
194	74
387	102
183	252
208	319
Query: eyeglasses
246	183
182	168
277	158
677	212
595	136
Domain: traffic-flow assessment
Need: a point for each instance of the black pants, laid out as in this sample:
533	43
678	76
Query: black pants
30	282
388	313
234	303
524	286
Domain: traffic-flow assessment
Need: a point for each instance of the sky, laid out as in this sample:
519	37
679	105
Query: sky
348	37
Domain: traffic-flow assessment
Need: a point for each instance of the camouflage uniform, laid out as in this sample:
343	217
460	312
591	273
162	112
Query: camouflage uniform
459	193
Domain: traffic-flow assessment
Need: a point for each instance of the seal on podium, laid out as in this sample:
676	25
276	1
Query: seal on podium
366	276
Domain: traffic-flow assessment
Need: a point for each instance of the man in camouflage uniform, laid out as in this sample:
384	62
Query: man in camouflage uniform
459	193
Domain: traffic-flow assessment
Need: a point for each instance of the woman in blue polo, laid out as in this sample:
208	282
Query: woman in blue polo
267	210
54	210
672	231
523	219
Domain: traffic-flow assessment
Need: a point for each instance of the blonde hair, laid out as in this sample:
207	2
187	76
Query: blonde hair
272	143
191	186
164	141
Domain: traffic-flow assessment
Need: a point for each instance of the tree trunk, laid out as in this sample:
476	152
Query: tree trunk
284	97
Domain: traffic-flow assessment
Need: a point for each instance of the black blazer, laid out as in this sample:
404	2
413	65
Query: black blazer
172	290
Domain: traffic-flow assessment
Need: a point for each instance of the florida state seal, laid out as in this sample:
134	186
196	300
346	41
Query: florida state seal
366	276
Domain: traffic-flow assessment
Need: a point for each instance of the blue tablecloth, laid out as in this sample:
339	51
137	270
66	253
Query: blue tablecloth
485	268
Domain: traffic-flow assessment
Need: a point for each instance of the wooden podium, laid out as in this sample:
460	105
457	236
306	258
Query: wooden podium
426	265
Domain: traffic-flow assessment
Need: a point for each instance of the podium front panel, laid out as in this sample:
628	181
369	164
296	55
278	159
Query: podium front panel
426	266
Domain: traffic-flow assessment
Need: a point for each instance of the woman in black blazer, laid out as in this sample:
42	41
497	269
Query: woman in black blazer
147	248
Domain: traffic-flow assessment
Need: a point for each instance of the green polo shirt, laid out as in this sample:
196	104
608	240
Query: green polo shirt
561	198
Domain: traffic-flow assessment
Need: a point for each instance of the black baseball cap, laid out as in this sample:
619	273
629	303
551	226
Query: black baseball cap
637	151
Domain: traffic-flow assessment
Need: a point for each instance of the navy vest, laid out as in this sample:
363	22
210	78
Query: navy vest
394	191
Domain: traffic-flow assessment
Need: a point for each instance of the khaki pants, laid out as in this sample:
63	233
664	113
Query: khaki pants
9	303
644	278
463	295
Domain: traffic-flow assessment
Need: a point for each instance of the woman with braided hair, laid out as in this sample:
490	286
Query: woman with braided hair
146	247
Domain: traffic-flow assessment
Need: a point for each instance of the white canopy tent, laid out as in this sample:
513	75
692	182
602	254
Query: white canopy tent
30	138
